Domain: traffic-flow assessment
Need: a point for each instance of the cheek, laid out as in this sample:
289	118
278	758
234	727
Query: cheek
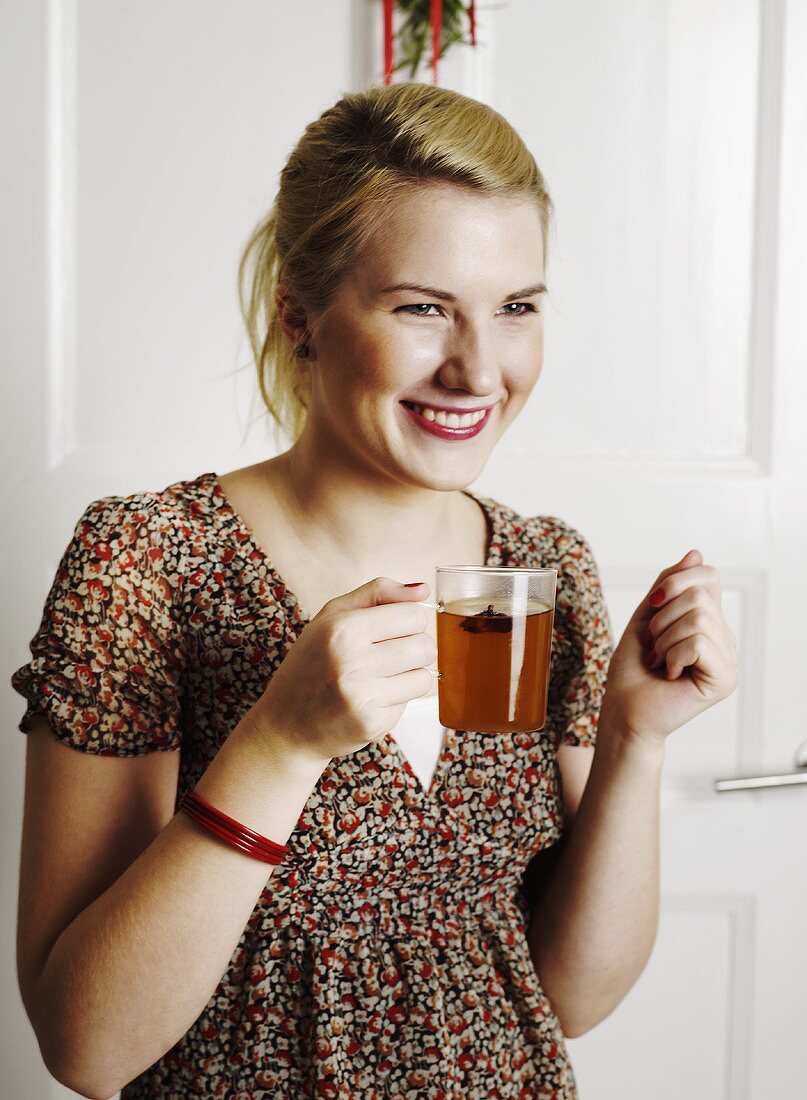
359	359
388	359
525	361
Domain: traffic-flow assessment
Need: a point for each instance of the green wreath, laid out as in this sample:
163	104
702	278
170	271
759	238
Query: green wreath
414	35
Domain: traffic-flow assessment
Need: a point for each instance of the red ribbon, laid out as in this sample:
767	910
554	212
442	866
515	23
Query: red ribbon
437	29
388	8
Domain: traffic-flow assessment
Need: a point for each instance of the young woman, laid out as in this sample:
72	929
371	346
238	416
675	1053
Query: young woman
424	913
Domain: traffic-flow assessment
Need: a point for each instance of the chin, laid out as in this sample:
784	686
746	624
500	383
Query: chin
454	480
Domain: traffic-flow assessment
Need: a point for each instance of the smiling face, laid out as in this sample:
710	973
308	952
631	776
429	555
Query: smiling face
470	337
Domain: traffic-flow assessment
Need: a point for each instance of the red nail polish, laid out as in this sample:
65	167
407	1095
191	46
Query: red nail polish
414	584
658	597
651	658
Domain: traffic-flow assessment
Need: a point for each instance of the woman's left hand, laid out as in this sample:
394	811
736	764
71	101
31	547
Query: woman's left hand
695	657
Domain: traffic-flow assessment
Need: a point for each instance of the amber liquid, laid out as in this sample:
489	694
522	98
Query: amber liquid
494	666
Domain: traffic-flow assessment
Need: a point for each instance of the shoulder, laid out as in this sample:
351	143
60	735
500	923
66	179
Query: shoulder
107	659
567	549
550	542
139	546
167	524
574	554
536	540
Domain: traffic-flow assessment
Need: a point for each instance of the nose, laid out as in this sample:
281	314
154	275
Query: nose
470	361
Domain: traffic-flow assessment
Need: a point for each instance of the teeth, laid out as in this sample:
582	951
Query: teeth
449	420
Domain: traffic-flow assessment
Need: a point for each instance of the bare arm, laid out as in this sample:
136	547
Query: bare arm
595	925
121	983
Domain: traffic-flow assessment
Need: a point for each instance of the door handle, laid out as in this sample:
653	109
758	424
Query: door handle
751	782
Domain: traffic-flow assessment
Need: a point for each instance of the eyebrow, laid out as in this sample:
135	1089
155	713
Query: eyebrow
445	295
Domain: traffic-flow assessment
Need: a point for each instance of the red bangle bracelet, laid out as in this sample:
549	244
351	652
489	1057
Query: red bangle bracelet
233	832
245	843
241	830
234	842
233	836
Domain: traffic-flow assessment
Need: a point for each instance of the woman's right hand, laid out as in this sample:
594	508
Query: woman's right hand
348	677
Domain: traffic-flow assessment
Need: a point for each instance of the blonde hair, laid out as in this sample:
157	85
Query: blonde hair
335	189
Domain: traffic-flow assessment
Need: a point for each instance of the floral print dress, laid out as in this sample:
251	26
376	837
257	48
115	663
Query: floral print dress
387	956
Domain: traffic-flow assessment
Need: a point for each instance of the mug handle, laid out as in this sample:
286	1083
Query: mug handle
438	607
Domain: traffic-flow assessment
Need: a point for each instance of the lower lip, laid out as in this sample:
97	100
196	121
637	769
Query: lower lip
448	433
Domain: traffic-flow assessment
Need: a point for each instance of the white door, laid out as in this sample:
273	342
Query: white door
143	143
671	415
140	144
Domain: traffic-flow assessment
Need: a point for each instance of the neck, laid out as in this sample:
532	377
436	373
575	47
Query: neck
338	504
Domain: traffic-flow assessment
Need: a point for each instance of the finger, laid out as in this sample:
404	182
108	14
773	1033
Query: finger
395	655
699	653
379	591
700	620
406	686
389	620
691	558
696	600
676	582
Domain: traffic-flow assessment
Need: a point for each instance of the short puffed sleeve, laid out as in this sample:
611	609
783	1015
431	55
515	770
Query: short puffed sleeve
582	642
107	659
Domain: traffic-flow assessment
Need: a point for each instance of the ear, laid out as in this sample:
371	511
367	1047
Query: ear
291	314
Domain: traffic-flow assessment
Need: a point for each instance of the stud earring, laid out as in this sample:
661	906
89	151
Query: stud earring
301	351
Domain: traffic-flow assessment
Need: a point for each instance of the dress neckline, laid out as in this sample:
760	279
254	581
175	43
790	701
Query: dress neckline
493	521
247	538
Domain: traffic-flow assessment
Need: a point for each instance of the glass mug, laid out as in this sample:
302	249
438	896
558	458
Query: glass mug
494	646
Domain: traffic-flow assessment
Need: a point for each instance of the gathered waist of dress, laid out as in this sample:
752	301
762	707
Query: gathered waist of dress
434	915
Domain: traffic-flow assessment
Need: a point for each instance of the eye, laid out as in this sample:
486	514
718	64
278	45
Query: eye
414	309
525	307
